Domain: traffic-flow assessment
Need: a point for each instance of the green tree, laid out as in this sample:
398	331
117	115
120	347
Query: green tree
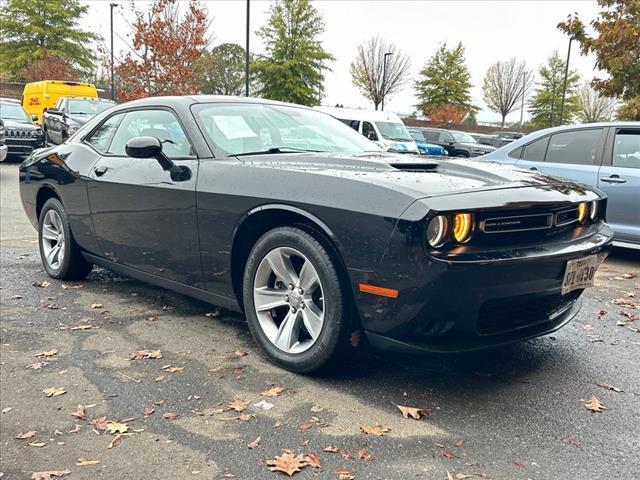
291	68
220	71
33	30
616	45
545	104
445	80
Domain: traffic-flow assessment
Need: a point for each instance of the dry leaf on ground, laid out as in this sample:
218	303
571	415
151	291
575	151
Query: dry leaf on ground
7	409
47	353
54	391
312	460
238	405
41	283
287	463
594	405
49	475
255	443
100	423
610	387
37	444
354	338
116	441
81	462
170	369
97	305
79	413
72	287
143	354
413	412
272	392
117	427
23	435
148	411
38	365
377	430
363	454
169	415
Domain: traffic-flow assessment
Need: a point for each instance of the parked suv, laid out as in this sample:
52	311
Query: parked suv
457	144
69	114
21	136
602	155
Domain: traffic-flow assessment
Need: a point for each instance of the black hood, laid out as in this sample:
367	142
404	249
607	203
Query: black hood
80	118
478	146
10	124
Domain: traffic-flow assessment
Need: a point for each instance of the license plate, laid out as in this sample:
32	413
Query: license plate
579	273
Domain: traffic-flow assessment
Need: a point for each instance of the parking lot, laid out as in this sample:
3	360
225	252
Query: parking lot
513	413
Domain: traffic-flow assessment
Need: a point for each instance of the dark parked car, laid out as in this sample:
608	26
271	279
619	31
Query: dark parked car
603	155
292	217
69	114
424	147
457	144
21	136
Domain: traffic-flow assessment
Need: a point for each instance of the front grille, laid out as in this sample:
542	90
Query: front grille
517	223
503	315
21	133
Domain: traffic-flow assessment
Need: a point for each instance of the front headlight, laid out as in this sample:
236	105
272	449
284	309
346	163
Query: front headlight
583	210
593	212
437	231
462	226
71	129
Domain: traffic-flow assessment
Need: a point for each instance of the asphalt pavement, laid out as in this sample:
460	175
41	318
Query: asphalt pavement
513	413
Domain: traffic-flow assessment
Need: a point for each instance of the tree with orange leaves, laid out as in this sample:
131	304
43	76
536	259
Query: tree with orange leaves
48	67
447	114
166	44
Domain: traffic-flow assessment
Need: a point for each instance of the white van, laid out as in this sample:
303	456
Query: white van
385	129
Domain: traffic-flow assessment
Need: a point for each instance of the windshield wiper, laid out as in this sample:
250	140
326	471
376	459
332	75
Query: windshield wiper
273	150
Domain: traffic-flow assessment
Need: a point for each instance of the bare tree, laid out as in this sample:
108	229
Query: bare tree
368	72
594	107
506	85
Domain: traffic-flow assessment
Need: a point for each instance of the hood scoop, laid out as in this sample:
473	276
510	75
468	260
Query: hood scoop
417	166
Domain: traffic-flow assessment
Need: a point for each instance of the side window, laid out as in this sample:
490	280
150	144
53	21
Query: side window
626	149
444	137
101	137
432	136
355	124
577	147
516	153
535	151
161	124
368	131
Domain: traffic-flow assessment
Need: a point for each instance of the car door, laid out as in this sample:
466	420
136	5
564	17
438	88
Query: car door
574	154
445	140
54	122
619	178
143	217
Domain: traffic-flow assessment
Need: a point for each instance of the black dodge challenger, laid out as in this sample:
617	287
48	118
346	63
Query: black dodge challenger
284	213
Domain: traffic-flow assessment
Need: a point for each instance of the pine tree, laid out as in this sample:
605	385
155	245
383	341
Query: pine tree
220	71
445	80
33	30
291	68
545	104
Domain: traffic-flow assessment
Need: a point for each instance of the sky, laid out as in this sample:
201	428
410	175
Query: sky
490	31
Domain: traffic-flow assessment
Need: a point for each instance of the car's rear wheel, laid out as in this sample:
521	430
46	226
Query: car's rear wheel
59	252
297	305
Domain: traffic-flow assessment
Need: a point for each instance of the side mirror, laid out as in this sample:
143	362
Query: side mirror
34	118
449	142
53	111
151	147
372	136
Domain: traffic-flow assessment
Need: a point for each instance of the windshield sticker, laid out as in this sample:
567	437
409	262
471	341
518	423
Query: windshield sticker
233	127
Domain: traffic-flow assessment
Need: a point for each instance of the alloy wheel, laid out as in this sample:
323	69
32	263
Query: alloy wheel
53	240
289	300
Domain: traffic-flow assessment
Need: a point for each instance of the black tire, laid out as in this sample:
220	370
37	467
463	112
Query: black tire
73	265
333	340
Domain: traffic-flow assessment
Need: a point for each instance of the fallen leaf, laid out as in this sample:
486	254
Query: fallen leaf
40	283
594	405
79	413
54	391
623	302
168	308
97	305
169	415
317	409
255	443
76	429
413	412
116	441
52	306
287	463
47	353
23	435
100	423
37	444
117	427
331	449
306	426
448	454
15	297
610	387
160	378
377	430
212	314
601	314
238	405
239	353
152	318
458	443
587	327
148	411
81	462
312	460
38	365
354	338
72	287
345	474
363	454
7	409
170	369
630	316
49	475
462	476
629	276
272	392
142	354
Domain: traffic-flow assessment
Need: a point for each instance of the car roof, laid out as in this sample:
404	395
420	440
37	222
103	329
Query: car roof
95	99
193	99
362	115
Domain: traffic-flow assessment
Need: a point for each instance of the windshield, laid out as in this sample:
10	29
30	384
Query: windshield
88	107
462	137
394	131
417	135
13	111
245	128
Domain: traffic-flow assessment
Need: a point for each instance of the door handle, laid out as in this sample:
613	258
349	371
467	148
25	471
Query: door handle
535	169
613	179
101	170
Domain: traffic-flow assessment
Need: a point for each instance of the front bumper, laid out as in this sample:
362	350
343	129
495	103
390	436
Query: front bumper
3	152
23	147
469	303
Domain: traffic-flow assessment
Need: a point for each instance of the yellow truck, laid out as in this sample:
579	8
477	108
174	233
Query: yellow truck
39	96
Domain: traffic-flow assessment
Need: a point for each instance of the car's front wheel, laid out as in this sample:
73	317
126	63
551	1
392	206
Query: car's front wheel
59	252
297	305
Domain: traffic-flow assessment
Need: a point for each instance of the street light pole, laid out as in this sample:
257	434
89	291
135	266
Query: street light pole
566	74
384	77
246	58
553	100
113	87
